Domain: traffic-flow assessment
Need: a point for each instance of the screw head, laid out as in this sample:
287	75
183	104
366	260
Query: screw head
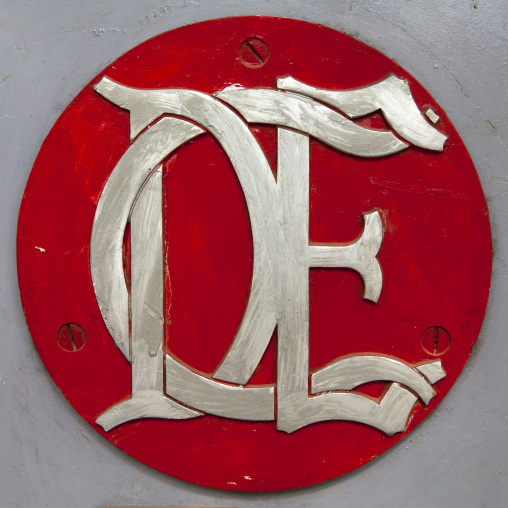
436	340
253	52
71	337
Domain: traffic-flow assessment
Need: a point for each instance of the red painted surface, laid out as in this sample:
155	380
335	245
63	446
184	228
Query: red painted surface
436	255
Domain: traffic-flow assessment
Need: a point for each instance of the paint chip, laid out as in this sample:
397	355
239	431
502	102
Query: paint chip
234	86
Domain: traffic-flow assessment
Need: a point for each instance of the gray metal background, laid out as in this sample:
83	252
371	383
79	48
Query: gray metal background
50	49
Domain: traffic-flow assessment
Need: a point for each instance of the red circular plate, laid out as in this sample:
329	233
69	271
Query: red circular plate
435	255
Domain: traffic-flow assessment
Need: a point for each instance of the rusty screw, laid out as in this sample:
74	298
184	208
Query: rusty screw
436	340
253	52
71	337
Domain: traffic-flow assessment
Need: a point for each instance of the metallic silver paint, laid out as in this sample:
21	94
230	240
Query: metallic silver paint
308	116
389	415
432	116
432	370
392	96
146	303
149	404
279	214
113	209
359	256
254	404
295	409
258	185
348	373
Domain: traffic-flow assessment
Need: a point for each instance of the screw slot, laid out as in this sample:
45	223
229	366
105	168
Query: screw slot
253	52
436	340
71	337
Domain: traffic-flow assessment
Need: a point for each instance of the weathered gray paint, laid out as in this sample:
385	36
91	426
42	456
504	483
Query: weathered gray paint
458	457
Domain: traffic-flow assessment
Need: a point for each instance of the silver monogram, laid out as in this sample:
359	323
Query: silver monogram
279	213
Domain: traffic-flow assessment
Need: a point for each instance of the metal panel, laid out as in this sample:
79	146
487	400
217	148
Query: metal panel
50	50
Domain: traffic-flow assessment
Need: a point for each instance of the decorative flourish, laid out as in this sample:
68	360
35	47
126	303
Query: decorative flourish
279	213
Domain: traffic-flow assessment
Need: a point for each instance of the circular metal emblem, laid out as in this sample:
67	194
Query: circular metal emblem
254	253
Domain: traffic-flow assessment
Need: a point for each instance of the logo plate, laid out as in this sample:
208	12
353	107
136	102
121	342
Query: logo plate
254	260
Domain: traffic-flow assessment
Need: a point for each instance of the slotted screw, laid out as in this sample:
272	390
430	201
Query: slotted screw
436	340
253	52
71	337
